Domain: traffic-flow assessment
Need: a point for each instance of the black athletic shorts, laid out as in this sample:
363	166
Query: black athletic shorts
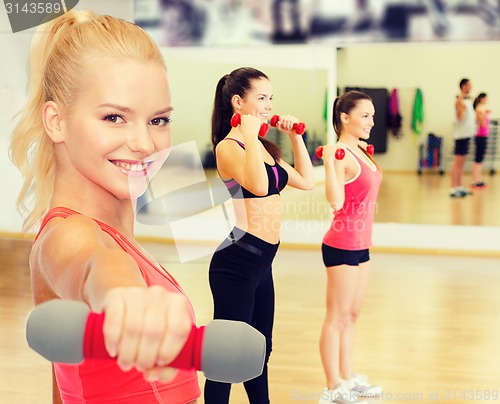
462	146
335	256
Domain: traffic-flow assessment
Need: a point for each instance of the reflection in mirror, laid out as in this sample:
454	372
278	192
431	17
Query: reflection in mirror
364	47
405	196
432	68
300	76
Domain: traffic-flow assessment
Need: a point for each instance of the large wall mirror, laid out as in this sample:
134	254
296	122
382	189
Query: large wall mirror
405	45
434	68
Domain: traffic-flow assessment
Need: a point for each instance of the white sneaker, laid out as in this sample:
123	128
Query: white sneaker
359	384
465	191
458	193
340	395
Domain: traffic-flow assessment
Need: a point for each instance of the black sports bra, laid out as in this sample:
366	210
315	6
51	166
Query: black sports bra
276	175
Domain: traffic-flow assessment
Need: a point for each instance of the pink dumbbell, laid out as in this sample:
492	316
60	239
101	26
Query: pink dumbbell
236	120
299	128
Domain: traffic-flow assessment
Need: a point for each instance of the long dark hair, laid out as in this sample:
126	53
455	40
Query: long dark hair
344	104
478	99
238	82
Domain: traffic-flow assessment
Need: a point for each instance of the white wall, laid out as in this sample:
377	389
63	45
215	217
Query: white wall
437	69
12	89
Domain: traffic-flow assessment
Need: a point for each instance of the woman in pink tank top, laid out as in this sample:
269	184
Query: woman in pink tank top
481	139
352	185
93	133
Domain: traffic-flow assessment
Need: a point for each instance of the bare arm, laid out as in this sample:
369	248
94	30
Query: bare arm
300	176
335	172
79	262
56	395
245	166
460	107
481	117
144	326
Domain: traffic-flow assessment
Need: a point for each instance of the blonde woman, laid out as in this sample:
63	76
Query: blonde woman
94	130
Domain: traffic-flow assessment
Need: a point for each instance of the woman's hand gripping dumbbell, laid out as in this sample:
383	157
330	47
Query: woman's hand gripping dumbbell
236	120
368	147
299	127
340	153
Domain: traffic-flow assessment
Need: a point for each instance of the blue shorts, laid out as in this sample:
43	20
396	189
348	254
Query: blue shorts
335	256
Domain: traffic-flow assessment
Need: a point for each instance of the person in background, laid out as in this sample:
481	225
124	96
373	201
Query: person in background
351	188
462	134
481	139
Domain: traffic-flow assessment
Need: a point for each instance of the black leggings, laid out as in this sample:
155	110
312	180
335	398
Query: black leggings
480	142
242	287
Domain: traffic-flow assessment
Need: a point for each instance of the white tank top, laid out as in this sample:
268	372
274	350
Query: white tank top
466	127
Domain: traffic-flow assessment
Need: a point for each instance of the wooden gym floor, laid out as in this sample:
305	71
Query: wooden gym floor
429	331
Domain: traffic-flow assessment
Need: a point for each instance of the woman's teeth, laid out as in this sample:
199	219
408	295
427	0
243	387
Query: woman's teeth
131	167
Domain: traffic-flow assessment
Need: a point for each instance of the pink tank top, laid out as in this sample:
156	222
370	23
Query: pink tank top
351	227
483	131
101	381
